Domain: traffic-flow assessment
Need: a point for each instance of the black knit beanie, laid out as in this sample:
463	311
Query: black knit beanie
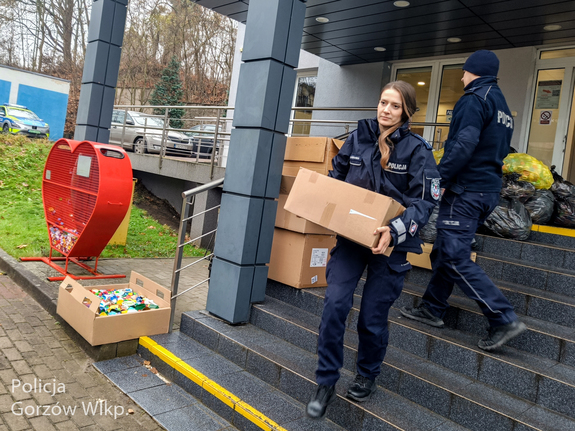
482	63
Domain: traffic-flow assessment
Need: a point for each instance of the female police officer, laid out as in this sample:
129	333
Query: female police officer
381	155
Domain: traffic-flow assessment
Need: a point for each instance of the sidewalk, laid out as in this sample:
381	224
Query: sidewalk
32	277
35	350
44	374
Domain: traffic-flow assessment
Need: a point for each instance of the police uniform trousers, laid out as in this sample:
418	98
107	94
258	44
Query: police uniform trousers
383	285
458	219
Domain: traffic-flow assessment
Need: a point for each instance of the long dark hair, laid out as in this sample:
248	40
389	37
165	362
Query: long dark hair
409	106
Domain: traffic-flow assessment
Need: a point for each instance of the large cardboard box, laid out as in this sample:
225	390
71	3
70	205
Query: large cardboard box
96	329
312	153
352	212
423	260
289	221
299	260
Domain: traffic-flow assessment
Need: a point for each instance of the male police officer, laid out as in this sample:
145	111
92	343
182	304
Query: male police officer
478	141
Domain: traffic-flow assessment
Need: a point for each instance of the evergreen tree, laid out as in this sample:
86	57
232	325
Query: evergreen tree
168	91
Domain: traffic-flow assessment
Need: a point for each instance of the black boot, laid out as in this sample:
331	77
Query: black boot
500	335
324	396
361	389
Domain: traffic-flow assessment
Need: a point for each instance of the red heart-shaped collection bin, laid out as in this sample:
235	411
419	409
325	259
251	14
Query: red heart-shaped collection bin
87	191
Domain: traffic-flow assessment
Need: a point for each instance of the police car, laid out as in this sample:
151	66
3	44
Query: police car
18	119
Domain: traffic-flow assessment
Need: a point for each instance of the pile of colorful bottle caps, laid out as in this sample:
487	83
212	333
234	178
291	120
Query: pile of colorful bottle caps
122	301
62	240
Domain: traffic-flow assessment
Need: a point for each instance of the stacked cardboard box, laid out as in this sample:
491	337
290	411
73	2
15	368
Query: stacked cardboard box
300	249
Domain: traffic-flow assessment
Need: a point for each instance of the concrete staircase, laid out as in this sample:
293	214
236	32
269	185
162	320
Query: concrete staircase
432	379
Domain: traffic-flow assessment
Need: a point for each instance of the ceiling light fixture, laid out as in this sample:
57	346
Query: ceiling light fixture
421	83
454	39
322	19
552	27
379	48
401	3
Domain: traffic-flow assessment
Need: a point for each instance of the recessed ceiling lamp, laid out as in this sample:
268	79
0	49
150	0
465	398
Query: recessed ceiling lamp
421	83
552	27
322	19
401	3
454	39
379	48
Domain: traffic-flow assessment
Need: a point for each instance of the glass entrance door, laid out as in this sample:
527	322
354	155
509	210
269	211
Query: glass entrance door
546	141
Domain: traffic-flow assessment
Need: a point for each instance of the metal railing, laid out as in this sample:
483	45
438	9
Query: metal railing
211	146
188	199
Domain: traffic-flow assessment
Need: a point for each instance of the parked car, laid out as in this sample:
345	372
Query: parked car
143	134
18	119
203	139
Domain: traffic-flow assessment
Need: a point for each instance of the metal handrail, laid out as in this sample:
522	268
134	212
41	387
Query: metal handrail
187	201
220	137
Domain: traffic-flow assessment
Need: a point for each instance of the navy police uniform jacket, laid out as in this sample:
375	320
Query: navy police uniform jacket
411	177
478	139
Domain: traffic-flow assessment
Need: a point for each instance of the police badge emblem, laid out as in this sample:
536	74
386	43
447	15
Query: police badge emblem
435	189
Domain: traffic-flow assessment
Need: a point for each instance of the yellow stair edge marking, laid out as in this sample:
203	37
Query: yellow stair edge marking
257	418
191	373
165	355
563	231
147	342
221	393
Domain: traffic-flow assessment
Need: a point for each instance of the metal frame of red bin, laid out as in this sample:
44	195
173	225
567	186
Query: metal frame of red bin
87	191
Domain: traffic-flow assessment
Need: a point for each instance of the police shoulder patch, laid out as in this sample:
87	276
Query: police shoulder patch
435	188
412	228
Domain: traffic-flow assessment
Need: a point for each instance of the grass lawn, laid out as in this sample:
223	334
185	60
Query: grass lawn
23	230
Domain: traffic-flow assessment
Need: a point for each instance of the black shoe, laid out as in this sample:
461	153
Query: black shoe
422	314
324	396
500	335
361	389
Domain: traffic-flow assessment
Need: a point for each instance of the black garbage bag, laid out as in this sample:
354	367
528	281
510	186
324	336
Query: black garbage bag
564	192
560	188
428	233
564	214
513	188
509	219
540	206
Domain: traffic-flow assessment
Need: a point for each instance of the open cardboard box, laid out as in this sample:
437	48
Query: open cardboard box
98	329
313	153
290	221
351	211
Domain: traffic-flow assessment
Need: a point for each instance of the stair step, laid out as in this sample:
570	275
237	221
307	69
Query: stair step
545	305
557	255
527	376
242	399
168	404
444	392
544	339
291	369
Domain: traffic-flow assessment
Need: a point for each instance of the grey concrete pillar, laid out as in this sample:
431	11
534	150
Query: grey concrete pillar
101	67
257	146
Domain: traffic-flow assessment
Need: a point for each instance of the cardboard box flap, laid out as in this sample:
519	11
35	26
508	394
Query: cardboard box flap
306	149
79	293
154	291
